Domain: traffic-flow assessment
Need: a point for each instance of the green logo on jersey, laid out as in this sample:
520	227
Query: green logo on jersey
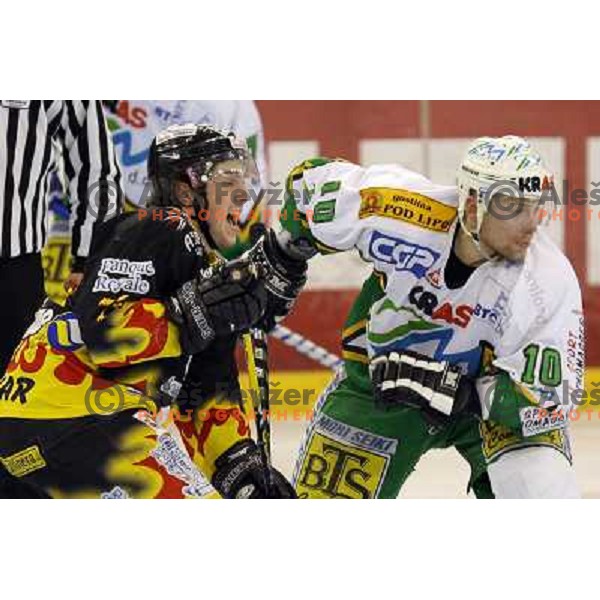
324	211
417	324
330	186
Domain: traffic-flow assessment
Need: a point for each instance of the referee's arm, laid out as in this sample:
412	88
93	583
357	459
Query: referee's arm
92	171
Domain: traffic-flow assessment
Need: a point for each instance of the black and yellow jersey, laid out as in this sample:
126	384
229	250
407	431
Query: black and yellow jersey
113	346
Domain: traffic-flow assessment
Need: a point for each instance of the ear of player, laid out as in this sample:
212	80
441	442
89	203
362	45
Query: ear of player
438	388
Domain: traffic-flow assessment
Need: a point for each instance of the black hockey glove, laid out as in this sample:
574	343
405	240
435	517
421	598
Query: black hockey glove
240	475
438	388
222	301
284	274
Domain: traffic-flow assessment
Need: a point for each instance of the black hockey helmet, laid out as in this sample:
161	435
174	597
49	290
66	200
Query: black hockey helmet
191	153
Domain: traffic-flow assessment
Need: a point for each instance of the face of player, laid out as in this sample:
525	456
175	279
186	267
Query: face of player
226	192
508	227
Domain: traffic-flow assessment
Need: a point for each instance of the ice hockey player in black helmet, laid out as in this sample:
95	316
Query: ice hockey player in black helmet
205	171
105	410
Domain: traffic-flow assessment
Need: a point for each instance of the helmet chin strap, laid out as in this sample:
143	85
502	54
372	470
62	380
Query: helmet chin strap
205	226
199	204
485	255
475	238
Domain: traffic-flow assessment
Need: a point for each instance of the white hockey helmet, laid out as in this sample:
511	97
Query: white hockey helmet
507	166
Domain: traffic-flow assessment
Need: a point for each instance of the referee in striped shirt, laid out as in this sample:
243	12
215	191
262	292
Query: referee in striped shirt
29	132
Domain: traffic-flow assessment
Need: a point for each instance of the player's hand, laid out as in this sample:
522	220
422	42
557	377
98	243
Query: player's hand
240	475
222	301
438	388
284	277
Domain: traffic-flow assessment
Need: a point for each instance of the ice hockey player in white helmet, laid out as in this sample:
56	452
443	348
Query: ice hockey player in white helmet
512	173
469	333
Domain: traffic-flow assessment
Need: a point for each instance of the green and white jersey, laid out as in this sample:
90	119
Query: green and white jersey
524	319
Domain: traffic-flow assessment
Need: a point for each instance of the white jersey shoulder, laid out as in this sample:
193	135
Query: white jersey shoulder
544	317
545	285
552	268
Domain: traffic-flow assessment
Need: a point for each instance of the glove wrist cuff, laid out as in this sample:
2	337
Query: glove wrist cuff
294	267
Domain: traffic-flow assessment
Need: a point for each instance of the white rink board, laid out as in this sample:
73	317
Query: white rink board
593	225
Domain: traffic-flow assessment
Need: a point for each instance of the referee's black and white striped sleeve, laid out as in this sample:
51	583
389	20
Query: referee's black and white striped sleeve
93	175
25	155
